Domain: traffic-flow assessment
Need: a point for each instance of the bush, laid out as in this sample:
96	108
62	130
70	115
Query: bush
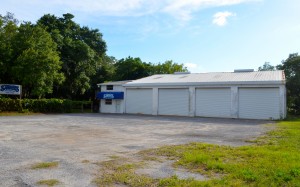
7	104
39	105
47	105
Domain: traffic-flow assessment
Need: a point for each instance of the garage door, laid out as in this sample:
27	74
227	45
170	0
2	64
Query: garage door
259	103
138	101
173	102
213	102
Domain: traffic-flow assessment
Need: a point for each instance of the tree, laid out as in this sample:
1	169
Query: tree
36	62
131	68
134	68
291	67
8	30
267	67
81	50
169	67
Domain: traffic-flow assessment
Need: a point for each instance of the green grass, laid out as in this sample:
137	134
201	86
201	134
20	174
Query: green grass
17	113
44	165
49	182
85	161
120	171
272	160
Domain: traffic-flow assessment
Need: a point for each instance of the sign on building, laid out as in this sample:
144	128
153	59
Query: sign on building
10	89
110	95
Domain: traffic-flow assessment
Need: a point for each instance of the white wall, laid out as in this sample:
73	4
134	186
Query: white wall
117	105
234	109
234	99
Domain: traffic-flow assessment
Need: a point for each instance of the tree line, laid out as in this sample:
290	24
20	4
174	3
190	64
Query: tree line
291	68
58	58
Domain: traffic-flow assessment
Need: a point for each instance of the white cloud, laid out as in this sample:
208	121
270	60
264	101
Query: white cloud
193	68
183	9
220	18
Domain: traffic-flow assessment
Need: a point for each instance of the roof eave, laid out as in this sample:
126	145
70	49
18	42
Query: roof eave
206	83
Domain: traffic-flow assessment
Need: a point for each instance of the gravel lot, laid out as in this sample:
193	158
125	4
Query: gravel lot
77	141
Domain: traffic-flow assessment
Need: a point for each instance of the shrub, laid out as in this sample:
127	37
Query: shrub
39	105
7	104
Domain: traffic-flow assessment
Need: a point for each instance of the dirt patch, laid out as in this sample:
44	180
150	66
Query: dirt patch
165	169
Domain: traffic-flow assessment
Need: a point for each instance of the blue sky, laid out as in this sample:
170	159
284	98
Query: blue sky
205	35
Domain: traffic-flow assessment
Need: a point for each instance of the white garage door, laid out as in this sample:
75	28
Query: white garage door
138	101
173	102
259	103
213	102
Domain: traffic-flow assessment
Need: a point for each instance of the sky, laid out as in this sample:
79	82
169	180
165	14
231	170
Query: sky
204	35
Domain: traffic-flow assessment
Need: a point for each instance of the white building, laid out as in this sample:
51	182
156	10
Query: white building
241	94
112	97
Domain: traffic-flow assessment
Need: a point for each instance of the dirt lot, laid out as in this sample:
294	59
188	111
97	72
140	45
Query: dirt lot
78	141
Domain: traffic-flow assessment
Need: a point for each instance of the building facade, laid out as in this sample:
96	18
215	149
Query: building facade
241	94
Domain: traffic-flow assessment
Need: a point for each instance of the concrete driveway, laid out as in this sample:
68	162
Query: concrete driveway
77	141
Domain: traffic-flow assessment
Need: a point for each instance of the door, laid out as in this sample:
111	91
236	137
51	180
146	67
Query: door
173	102
213	102
138	101
259	103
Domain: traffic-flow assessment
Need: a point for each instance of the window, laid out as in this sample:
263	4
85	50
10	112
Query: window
108	101
109	87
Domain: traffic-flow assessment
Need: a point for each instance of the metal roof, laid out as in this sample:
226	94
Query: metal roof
219	78
114	83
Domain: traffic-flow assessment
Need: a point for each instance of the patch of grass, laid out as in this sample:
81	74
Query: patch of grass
272	160
122	171
49	182
85	161
44	165
114	157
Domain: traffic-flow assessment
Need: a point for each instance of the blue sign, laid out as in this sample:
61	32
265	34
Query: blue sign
110	95
10	89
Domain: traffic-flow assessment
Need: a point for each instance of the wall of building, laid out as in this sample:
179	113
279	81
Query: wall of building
234	98
117	105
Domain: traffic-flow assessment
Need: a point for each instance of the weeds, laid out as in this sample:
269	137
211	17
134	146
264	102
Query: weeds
122	171
49	182
272	160
44	165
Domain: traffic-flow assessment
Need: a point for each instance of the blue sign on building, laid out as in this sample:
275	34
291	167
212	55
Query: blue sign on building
110	95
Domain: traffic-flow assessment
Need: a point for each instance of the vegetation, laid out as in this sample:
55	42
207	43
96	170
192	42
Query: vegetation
291	67
120	171
273	160
49	182
42	105
44	165
17	113
58	58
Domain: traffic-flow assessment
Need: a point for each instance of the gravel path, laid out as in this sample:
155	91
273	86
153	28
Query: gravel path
78	141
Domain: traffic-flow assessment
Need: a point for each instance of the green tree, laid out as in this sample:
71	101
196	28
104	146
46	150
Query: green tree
36	62
131	68
81	50
134	68
8	30
267	67
169	67
291	67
